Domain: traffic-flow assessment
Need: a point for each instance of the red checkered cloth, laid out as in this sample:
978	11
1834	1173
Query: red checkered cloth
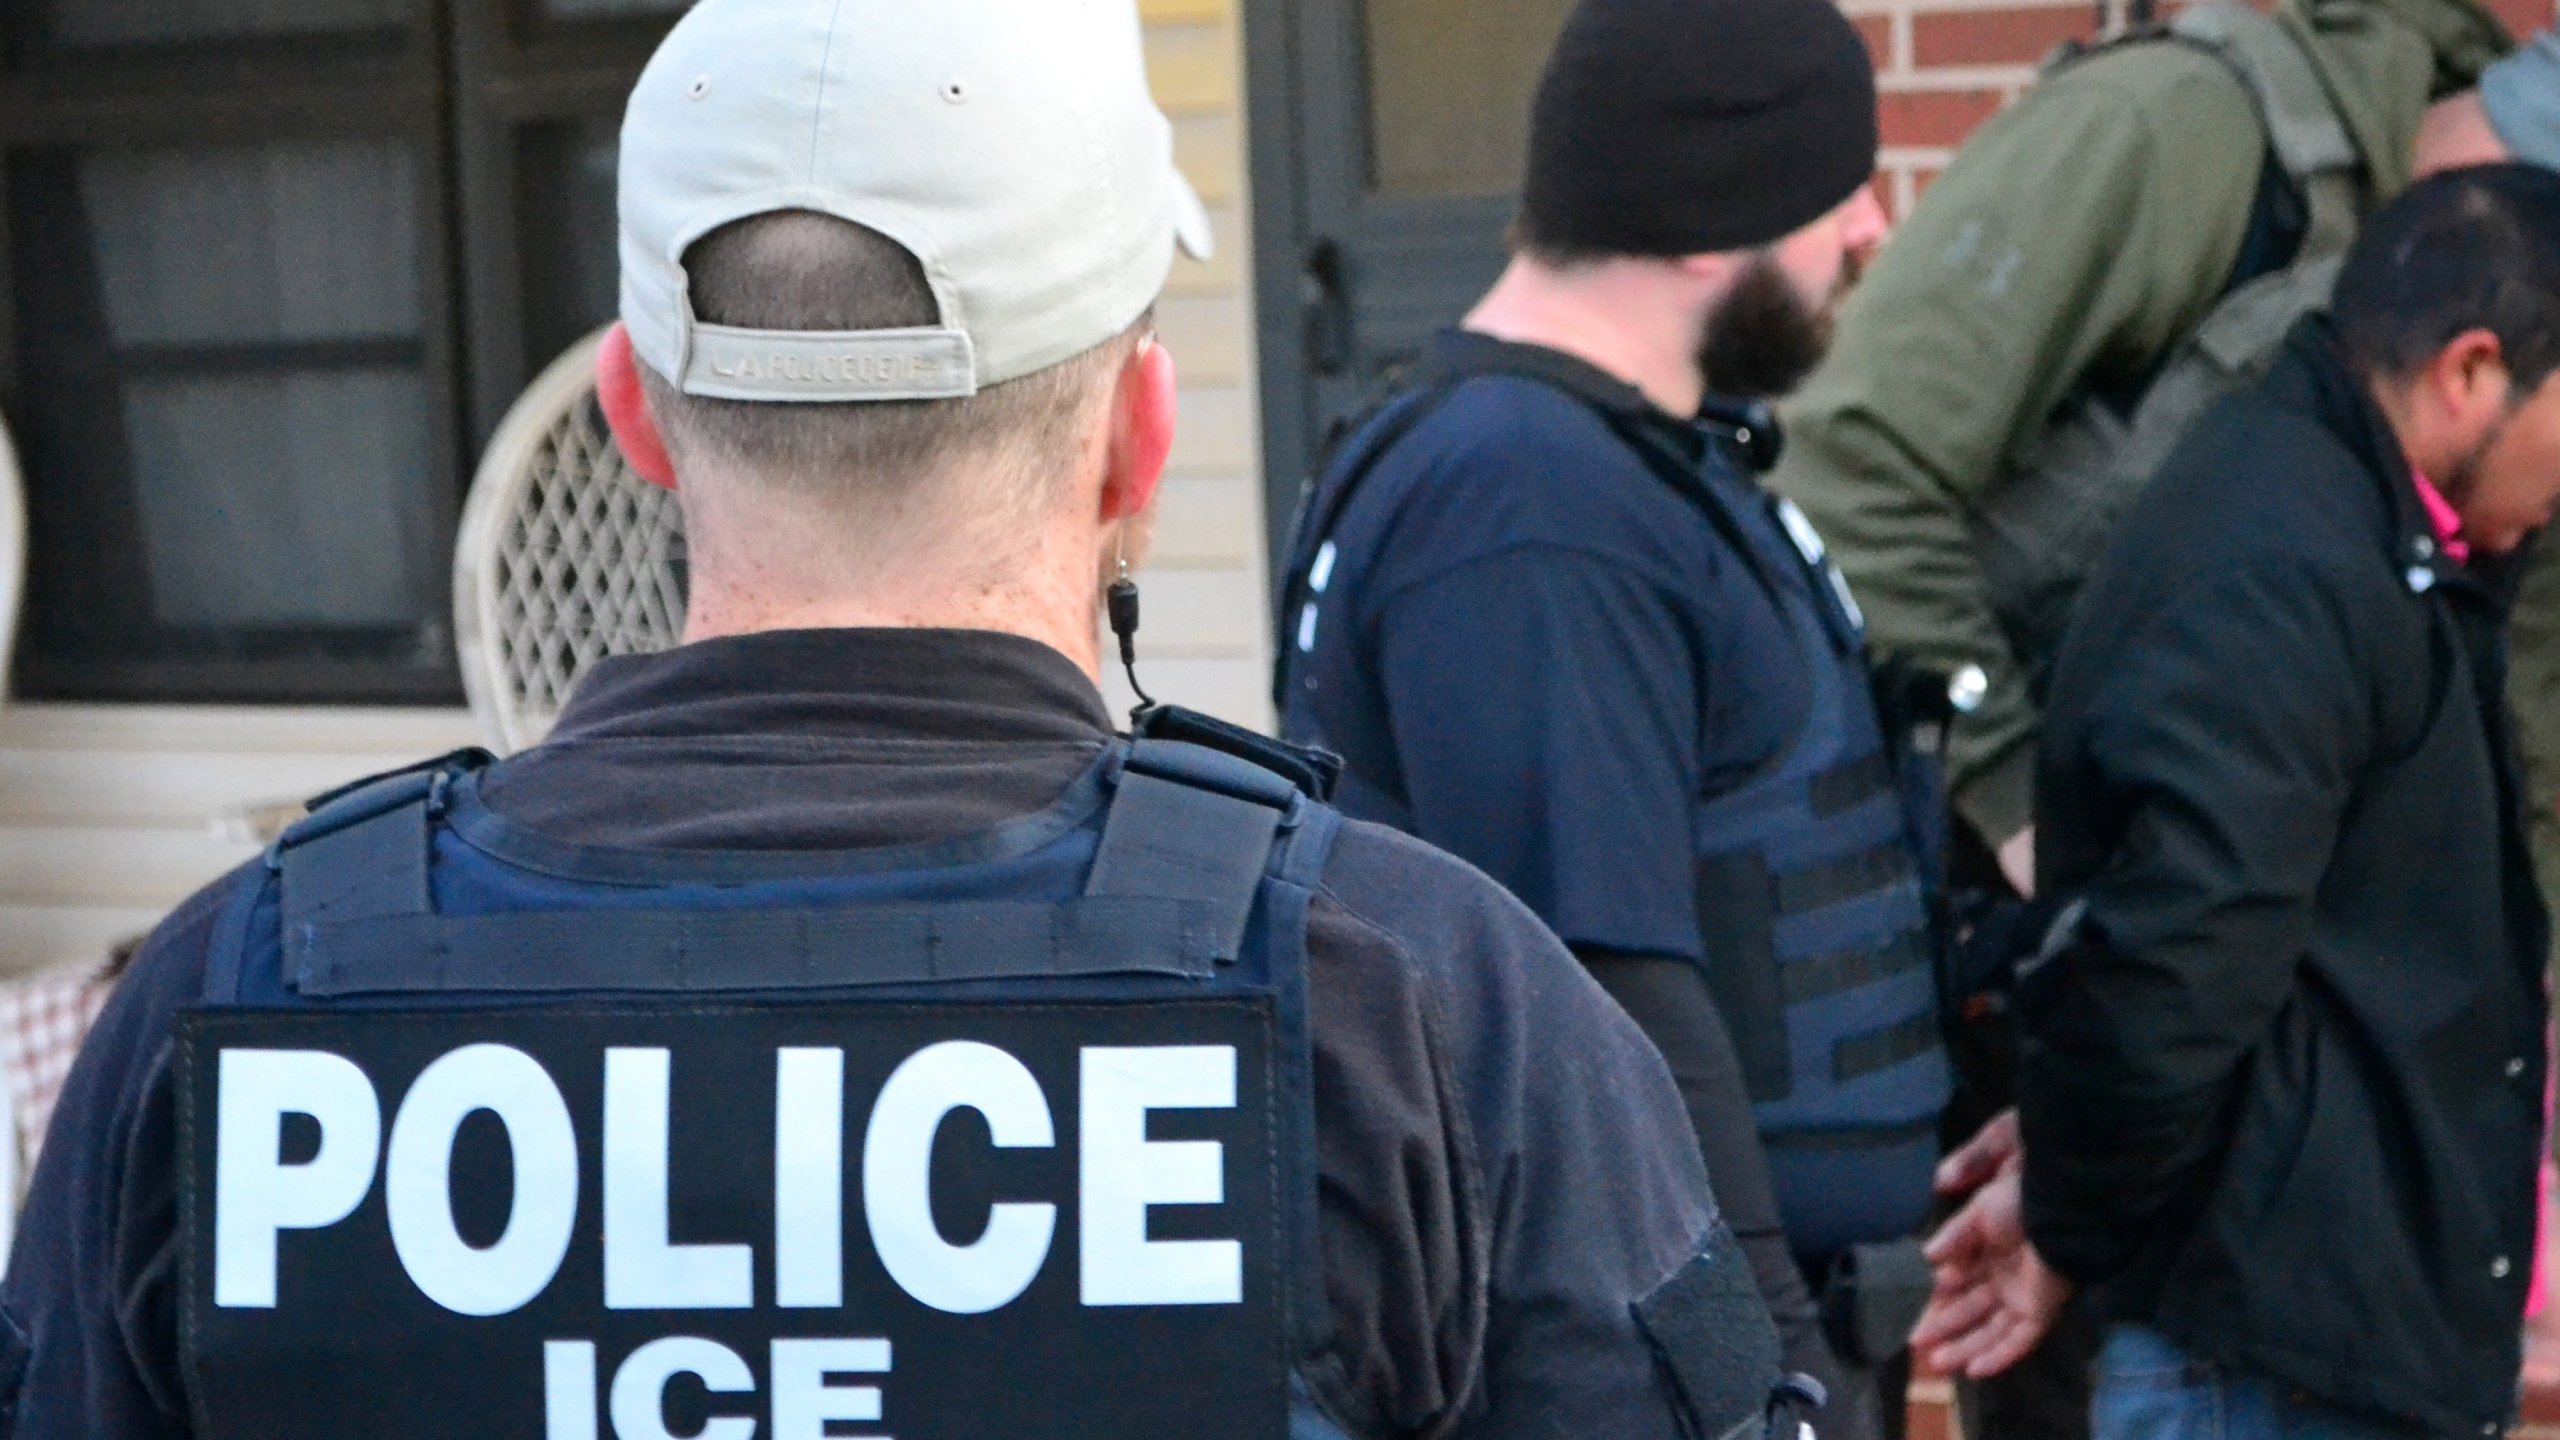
43	1019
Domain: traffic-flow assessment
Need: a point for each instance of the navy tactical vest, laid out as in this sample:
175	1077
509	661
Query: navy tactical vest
488	1135
1815	876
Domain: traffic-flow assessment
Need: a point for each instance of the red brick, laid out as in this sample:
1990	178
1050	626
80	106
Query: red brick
1933	117
2541	1405
1997	37
1930	1413
1877	31
1929	1420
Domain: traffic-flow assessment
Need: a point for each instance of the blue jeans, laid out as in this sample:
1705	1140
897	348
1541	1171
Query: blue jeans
2149	1389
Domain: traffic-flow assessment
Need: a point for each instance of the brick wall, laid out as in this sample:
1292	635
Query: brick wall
1944	66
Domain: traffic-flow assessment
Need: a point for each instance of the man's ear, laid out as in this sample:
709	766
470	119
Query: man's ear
1708	277
1143	405
626	410
2470	375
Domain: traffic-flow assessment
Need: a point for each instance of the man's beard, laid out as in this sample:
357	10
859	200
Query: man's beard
1763	338
2458	484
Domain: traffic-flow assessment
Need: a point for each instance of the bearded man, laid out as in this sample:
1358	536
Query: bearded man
1551	622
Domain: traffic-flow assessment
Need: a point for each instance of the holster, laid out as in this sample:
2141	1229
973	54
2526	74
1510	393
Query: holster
1871	1299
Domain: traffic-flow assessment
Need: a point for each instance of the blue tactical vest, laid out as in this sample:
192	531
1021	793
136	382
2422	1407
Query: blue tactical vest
1815	877
488	1135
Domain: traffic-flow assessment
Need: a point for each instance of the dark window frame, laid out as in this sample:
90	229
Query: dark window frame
461	82
517	71
1349	282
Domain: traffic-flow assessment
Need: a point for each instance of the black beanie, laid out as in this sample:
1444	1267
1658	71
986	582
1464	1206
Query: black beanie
1684	127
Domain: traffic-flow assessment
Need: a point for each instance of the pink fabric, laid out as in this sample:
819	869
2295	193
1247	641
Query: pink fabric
2538	1296
2444	517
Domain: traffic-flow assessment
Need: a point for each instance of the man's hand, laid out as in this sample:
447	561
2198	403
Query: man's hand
1994	1150
2018	862
1994	1298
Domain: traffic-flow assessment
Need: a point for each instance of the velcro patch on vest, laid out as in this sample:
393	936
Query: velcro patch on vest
1884	867
721	1221
1879	1050
1820	978
1713	1341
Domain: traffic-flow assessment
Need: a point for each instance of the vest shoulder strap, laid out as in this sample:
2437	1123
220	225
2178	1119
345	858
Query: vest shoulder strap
1194	825
1186	843
362	850
359	800
1350	455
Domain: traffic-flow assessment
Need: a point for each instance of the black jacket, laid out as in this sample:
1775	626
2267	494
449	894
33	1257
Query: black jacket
2284	1090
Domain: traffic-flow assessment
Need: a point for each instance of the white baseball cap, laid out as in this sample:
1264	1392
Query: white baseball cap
1010	145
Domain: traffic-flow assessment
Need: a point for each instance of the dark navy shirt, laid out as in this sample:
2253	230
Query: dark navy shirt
1505	1169
1536	653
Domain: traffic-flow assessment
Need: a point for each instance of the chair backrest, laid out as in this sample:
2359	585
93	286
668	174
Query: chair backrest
13	552
565	557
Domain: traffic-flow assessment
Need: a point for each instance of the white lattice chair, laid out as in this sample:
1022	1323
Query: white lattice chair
565	557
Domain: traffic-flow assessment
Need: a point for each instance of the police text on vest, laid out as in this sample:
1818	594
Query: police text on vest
260	1197
1121	1174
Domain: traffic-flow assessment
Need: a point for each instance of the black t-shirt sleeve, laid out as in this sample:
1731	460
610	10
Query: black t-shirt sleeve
92	1286
1545	708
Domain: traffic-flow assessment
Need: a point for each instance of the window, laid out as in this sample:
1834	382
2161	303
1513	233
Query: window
1449	83
270	272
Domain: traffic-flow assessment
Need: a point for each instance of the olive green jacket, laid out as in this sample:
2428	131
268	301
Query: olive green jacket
2079	235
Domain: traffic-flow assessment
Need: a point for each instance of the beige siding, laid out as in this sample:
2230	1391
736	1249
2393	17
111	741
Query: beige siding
111	814
1204	643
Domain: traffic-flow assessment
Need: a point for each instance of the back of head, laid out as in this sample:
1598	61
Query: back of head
880	260
996	456
2466	250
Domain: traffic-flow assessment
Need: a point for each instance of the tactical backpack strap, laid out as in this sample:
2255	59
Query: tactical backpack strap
2309	139
2236	343
2039	535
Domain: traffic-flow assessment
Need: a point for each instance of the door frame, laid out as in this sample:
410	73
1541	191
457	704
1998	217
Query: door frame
1406	264
1276	167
